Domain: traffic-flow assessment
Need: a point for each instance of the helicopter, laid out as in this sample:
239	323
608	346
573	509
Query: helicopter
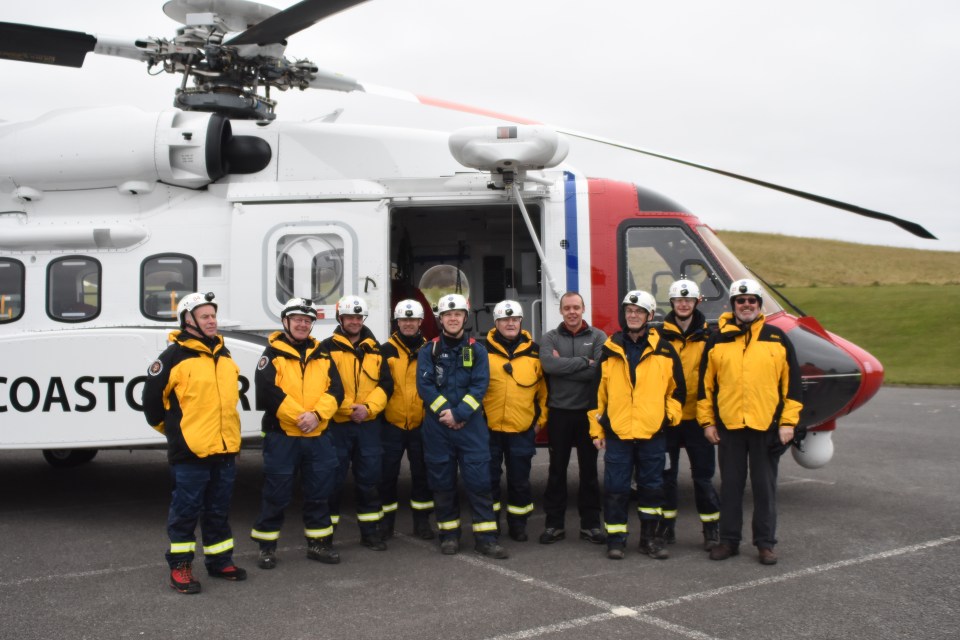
108	216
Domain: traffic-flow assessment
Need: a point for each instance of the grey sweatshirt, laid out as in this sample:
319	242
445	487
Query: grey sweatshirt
570	375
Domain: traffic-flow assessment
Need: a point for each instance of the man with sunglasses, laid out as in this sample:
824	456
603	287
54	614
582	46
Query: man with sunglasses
748	403
299	390
516	409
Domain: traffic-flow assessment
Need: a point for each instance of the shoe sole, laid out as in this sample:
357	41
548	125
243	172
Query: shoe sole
552	539
591	539
186	590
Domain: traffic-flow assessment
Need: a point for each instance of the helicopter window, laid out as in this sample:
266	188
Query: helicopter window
658	255
73	289
310	264
11	290
441	279
164	279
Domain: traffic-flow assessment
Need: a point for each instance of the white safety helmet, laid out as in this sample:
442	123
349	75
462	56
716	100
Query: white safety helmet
191	301
507	309
352	306
408	309
746	286
685	289
641	299
299	307
452	302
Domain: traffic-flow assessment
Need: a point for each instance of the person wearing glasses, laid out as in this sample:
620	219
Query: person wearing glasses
299	390
516	409
640	393
748	403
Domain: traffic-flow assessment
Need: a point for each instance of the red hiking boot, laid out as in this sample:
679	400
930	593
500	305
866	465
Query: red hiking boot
181	579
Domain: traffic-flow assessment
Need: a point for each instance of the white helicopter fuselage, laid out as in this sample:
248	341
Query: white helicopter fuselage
108	216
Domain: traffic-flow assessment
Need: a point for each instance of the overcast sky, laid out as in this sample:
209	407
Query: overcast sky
857	100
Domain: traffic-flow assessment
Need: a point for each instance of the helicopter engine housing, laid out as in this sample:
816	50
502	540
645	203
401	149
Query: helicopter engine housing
122	147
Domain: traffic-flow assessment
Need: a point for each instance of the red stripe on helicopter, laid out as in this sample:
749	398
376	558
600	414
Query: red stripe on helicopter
454	106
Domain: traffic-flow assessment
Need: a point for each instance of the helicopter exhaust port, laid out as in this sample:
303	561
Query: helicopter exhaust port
129	149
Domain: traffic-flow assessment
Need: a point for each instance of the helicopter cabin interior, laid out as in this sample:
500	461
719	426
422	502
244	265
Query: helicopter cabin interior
483	252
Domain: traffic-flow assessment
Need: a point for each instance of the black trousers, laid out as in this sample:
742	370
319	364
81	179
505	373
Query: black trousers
567	429
740	449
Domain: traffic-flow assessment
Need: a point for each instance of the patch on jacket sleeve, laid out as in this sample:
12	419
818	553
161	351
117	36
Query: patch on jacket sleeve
155	368
264	360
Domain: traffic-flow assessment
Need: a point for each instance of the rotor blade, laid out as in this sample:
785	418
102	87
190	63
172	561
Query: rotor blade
27	43
906	225
911	227
300	16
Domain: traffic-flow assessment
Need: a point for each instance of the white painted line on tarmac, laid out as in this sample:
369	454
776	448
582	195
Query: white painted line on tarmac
800	573
788	480
640	613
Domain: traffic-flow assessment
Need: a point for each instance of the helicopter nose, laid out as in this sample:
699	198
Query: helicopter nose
838	376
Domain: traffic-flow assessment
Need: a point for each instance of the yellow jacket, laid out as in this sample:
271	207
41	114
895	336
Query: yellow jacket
517	396
636	408
404	408
363	372
191	396
749	378
690	349
290	384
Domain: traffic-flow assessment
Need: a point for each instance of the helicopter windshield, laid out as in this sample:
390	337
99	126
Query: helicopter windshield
657	253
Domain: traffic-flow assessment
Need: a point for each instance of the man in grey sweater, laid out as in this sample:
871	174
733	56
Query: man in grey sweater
569	355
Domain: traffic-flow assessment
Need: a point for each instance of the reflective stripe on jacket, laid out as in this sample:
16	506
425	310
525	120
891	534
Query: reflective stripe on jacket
516	399
447	378
749	378
404	408
637	410
191	395
289	385
363	372
690	349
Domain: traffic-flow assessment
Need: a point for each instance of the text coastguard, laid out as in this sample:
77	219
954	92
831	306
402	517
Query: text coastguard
452	377
191	396
356	425
298	389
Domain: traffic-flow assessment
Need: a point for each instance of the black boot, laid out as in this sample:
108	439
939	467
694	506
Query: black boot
421	526
711	535
386	526
666	530
650	544
321	550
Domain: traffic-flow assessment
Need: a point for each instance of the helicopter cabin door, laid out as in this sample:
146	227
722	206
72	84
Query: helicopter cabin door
320	251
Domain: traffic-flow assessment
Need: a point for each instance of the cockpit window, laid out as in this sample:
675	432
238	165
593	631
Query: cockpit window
11	290
658	255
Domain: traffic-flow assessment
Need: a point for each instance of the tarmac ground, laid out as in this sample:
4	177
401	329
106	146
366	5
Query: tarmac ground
869	549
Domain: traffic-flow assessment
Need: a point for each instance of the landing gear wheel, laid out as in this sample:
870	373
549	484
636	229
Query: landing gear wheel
67	458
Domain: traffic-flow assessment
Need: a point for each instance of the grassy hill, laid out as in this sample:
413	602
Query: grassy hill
808	262
902	305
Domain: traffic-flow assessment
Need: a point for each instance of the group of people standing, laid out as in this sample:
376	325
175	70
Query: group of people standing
460	407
